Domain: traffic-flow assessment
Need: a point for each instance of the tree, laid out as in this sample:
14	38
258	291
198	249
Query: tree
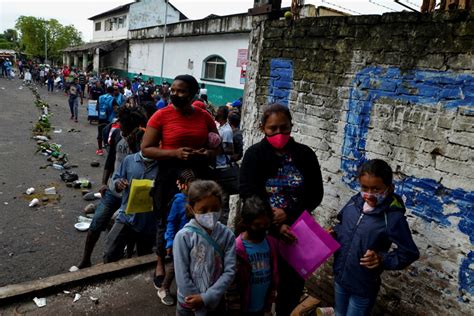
35	32
9	39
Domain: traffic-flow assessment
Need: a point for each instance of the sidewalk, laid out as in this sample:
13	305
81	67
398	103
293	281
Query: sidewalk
133	294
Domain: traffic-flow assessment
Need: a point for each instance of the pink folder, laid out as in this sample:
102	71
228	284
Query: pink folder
313	247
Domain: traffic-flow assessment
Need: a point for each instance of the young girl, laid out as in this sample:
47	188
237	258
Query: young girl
254	288
204	254
370	222
176	220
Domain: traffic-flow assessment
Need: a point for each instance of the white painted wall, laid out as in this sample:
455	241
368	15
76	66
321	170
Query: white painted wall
115	34
146	13
145	56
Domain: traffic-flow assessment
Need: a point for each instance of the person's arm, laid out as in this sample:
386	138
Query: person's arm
250	169
171	227
79	89
182	262
150	147
406	252
214	294
119	179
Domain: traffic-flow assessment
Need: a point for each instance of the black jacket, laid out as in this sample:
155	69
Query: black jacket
358	232
261	163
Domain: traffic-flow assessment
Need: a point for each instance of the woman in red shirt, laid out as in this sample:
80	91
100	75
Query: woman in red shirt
176	136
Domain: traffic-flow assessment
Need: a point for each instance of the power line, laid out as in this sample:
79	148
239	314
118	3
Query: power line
340	7
381	5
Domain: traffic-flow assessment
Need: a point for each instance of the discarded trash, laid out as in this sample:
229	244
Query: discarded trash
72	269
6	203
90	208
325	311
34	202
41	137
95	164
58	131
40	302
82	183
68	292
58	166
76	297
82	227
94	298
30	191
82	219
68	176
51	190
44	199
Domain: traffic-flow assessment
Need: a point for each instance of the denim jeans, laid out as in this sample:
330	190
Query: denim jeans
74	106
348	304
104	212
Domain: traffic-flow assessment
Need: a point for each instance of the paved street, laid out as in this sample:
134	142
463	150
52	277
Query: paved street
42	241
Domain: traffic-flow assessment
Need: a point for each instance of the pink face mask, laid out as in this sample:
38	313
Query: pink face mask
279	141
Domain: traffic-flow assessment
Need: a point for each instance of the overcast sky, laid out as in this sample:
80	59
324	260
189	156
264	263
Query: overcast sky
77	12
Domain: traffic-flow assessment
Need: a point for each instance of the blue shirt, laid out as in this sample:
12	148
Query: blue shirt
177	218
133	167
260	280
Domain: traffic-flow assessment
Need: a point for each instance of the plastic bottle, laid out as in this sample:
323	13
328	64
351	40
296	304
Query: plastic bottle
34	202
58	166
30	191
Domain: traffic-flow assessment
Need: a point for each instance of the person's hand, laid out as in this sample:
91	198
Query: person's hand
371	259
194	301
169	251
183	153
82	102
279	216
201	152
121	185
331	232
102	189
286	234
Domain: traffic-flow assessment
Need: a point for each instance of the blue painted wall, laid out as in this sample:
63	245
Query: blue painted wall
281	81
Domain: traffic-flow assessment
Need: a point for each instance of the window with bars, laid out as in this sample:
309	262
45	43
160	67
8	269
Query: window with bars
214	68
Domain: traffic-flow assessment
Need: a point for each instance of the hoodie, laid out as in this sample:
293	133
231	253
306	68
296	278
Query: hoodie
199	267
358	232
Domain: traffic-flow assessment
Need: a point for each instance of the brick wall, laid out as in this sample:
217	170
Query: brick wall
398	87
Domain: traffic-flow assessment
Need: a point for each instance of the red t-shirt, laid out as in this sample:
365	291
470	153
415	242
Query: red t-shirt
177	130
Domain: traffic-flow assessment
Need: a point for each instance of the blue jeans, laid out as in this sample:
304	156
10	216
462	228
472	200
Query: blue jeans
348	304
104	212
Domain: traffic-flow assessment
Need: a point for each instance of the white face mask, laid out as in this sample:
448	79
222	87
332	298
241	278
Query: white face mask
208	220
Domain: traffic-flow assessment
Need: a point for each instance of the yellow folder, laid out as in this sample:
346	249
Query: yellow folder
139	199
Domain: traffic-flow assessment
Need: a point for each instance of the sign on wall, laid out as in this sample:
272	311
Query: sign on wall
242	57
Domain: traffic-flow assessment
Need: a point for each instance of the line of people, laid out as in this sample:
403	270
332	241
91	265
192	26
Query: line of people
182	147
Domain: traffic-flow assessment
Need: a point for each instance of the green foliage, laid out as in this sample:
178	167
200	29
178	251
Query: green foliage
35	31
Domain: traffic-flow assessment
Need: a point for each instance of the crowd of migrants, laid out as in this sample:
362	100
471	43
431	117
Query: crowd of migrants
171	134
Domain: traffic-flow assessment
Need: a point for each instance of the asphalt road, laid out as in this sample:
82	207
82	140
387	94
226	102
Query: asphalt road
41	241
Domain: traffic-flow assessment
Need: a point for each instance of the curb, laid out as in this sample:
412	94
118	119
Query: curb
58	282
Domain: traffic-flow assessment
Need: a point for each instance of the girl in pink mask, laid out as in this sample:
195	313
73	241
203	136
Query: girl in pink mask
288	176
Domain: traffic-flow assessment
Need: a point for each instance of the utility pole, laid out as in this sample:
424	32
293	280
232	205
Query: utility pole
164	42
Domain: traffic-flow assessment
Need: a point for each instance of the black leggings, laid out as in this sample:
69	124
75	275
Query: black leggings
290	288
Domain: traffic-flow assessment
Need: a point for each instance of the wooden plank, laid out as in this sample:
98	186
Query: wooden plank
102	270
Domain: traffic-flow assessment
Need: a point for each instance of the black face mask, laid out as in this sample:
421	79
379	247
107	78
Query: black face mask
179	102
258	235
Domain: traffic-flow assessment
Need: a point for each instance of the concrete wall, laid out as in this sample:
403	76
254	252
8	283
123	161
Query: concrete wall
114	34
398	87
115	59
148	13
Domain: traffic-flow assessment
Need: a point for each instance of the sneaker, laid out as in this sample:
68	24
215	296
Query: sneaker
99	152
75	120
72	117
165	296
158	281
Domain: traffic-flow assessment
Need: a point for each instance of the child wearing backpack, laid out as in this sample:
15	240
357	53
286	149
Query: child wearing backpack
254	288
368	225
204	254
177	218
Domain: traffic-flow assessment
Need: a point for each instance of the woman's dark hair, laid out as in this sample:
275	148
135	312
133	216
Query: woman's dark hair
191	82
376	168
224	111
131	117
234	119
272	109
200	189
252	208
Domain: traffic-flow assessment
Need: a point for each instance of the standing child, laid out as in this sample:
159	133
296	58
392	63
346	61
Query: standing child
254	288
370	222
204	254
176	220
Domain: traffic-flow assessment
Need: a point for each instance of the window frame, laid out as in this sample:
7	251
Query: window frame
216	63
98	24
